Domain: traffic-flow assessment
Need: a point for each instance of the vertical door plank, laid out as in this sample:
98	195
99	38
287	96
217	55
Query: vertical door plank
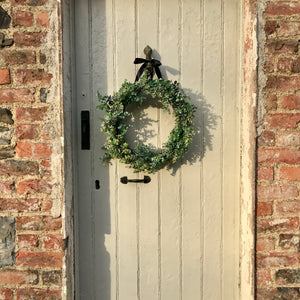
170	183
85	223
148	193
191	175
128	255
212	162
231	172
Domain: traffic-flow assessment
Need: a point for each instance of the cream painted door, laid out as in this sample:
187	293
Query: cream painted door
176	237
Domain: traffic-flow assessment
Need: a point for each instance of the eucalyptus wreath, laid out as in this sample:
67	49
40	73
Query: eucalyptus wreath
142	157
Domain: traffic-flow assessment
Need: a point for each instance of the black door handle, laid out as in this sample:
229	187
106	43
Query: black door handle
125	180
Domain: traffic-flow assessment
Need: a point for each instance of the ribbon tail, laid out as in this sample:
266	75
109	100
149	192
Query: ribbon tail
157	71
140	71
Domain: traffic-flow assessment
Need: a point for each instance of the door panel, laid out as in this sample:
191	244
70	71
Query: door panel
178	236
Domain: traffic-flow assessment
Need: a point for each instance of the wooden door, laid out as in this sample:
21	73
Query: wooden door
178	236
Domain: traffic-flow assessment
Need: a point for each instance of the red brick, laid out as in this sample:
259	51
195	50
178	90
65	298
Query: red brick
6	294
23	18
277	259
290	173
264	209
4	76
32	186
16	95
289	46
270	26
31	114
53	241
25	39
18	277
289	138
32	76
42	19
27	131
19	205
263	277
265	244
288	207
290	102
277	224
40	259
33	150
284	65
283	8
27	241
18	57
271	103
288	156
296	65
283	191
283	120
269	65
6	186
279	293
265	173
18	168
283	83
47	205
38	223
38	294
288	28
267	138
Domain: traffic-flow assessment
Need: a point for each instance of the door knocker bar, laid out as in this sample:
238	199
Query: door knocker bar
125	180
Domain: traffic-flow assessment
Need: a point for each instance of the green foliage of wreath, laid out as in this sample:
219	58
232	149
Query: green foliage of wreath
143	158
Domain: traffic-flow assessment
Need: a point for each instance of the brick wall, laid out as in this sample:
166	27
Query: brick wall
30	151
278	156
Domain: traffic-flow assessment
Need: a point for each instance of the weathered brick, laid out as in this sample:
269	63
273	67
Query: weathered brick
284	65
52	278
33	150
289	46
277	259
47	205
270	26
18	57
38	223
32	76
283	8
38	294
280	293
264	209
18	168
6	116
289	173
290	102
40	259
288	138
53	241
28	2
277	224
288	156
32	186
283	83
42	19
267	138
283	191
31	114
18	277
27	131
264	278
23	18
271	102
282	120
265	173
7	241
269	66
289	241
27	241
287	276
4	76
17	95
296	66
265	244
6	294
288	207
25	39
19	205
7	152
287	28
6	186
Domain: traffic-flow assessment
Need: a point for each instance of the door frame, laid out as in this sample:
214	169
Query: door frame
248	149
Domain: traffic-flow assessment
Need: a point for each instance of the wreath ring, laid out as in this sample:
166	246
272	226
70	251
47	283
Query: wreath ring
142	158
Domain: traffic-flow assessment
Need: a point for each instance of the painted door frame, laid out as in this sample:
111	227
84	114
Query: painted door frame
248	149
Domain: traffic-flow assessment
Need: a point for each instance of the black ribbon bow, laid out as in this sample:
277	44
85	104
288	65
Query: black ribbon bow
154	65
